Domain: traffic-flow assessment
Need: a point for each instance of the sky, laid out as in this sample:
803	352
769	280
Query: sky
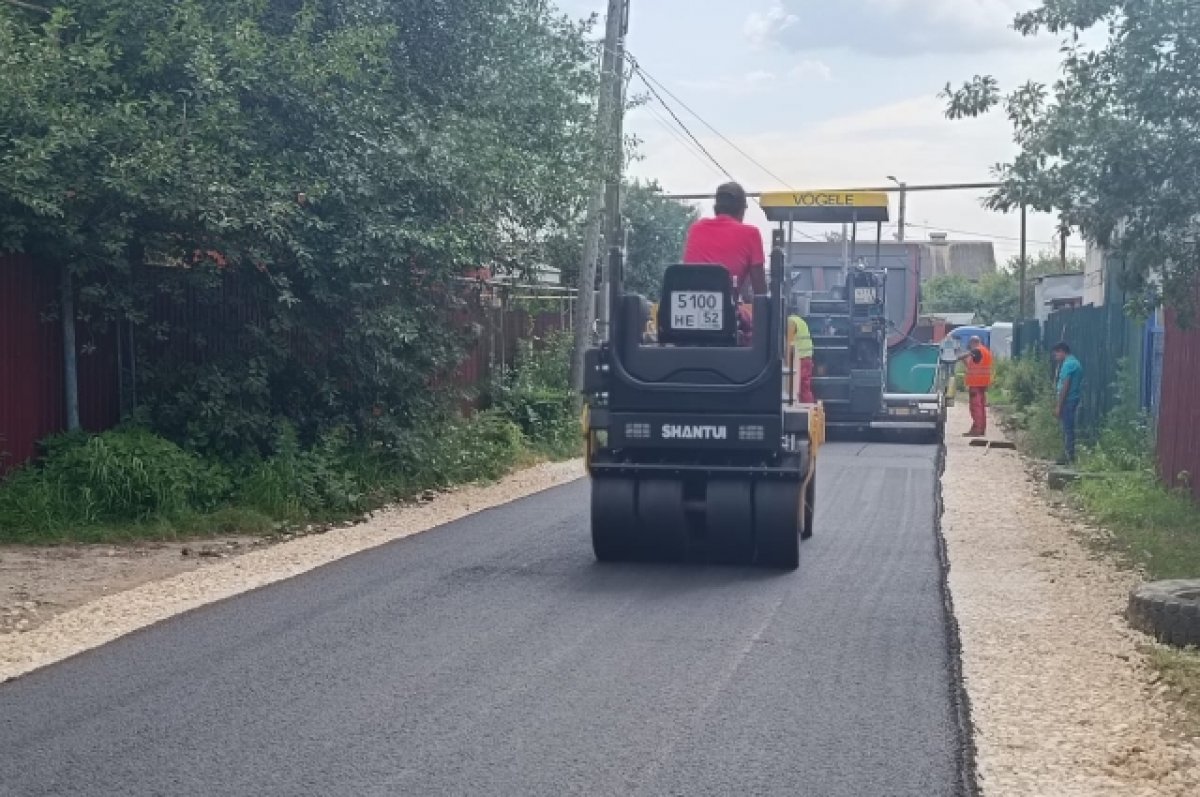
830	94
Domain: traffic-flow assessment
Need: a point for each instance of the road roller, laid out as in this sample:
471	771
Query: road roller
697	448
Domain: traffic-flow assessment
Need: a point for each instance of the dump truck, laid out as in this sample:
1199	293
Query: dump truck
697	448
861	304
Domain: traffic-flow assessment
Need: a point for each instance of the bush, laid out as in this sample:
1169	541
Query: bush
536	395
293	483
123	475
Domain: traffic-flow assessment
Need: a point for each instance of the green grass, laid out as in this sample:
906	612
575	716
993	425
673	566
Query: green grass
129	484
1152	528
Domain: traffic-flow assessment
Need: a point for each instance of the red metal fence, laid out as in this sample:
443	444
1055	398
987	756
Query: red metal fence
1179	412
32	404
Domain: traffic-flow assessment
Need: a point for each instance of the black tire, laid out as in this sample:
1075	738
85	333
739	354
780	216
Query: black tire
614	519
778	513
662	520
810	508
1167	610
729	521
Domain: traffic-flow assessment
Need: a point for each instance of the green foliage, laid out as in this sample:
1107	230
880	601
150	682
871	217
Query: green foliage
1155	527
1107	146
294	483
657	232
130	483
122	476
1026	383
995	297
299	181
440	454
657	229
536	396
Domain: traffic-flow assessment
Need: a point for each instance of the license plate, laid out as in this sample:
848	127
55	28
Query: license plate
703	311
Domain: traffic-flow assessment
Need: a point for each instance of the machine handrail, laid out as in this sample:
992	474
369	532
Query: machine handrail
774	356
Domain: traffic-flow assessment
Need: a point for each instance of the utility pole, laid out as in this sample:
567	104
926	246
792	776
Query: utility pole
1021	268
606	112
903	208
615	167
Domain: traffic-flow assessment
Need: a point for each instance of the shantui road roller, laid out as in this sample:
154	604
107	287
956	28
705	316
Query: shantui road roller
697	448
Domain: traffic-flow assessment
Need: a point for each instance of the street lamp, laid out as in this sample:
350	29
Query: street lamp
903	207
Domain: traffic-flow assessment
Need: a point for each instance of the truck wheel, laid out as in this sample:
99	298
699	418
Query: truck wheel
1168	610
778	513
810	507
662	519
729	521
614	519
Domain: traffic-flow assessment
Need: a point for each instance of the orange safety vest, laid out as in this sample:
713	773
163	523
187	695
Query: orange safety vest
979	374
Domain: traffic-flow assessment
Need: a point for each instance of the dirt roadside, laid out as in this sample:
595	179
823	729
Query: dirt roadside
1063	700
56	602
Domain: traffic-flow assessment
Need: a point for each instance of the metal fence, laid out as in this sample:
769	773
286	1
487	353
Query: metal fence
1104	340
1179	415
208	323
32	397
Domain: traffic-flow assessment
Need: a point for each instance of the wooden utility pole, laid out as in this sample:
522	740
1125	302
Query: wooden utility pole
615	165
609	148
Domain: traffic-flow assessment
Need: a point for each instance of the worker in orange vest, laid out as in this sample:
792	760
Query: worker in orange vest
979	379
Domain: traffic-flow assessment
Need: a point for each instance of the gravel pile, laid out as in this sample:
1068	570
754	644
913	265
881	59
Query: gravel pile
1062	701
112	616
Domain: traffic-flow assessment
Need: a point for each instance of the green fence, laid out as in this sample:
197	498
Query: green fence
1101	337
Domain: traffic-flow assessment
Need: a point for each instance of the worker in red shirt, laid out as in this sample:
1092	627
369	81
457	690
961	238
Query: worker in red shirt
726	240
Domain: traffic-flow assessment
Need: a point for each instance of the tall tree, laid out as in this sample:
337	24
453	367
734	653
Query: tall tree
302	179
657	230
1112	144
994	297
657	227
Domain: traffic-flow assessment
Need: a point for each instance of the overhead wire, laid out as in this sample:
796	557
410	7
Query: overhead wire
648	78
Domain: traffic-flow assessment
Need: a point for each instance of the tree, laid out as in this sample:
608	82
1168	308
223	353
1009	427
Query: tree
1111	145
995	296
657	231
301	180
657	228
951	293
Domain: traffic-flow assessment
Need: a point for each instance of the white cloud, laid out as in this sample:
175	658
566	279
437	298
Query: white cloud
889	27
762	29
760	81
811	70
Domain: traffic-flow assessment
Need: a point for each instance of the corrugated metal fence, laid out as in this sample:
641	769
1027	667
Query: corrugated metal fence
32	403
1102	338
1179	415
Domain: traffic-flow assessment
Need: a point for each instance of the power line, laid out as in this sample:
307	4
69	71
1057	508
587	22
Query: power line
679	121
674	132
647	76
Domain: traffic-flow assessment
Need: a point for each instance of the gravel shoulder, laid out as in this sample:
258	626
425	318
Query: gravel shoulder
1064	701
59	601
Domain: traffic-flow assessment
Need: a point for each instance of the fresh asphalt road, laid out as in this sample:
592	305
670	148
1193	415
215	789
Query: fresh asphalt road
493	656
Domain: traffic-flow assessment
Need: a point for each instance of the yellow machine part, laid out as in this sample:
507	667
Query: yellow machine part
585	426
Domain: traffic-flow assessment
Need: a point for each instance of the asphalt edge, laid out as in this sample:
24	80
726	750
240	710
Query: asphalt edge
960	700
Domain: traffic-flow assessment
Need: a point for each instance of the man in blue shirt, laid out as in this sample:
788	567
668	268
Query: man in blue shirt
1067	393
